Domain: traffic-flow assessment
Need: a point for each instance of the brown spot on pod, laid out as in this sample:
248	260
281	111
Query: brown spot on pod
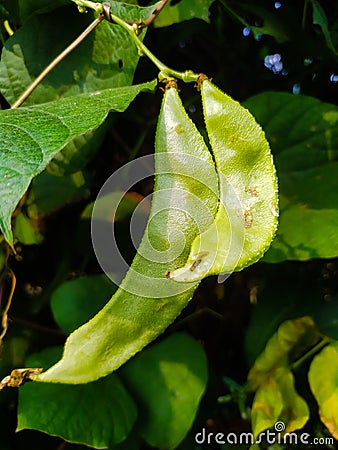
274	209
252	191
248	218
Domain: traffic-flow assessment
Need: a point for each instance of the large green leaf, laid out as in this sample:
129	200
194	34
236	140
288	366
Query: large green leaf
25	231
246	219
184	10
29	7
323	378
77	153
30	137
167	381
319	18
147	302
48	192
76	301
99	414
292	339
306	158
107	58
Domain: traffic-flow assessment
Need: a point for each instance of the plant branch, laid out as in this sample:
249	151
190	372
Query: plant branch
322	343
133	30
37	327
56	61
153	15
4	320
8	28
102	8
84	4
305	13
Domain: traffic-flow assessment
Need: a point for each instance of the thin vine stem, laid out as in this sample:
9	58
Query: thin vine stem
8	28
133	29
4	320
154	14
99	7
305	13
234	14
322	343
165	71
56	61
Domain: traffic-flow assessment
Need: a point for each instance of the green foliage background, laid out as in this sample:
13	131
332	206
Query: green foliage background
55	265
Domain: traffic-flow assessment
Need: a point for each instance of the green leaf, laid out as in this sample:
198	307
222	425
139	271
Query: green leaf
120	206
107	58
306	159
277	400
184	10
76	301
30	137
319	18
48	193
271	24
246	220
25	231
323	379
167	381
76	155
2	255
29	7
99	414
9	9
147	302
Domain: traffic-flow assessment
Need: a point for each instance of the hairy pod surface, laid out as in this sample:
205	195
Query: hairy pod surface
147	301
246	220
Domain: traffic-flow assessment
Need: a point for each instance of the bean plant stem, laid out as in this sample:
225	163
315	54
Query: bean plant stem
322	343
56	61
4	320
133	30
165	72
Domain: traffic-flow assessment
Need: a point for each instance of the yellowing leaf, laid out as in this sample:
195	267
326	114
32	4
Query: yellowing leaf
292	338
246	220
323	379
277	401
